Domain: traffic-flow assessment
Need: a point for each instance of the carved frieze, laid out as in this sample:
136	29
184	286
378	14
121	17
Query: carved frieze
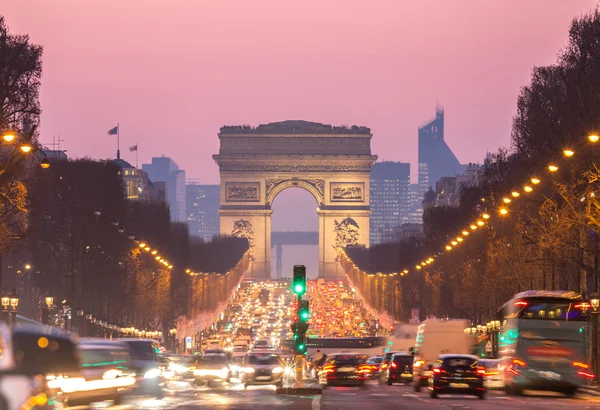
290	167
347	191
243	229
242	191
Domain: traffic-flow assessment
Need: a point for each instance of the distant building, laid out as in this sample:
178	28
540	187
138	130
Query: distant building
164	169
202	204
415	211
408	230
436	159
137	185
55	153
448	188
390	200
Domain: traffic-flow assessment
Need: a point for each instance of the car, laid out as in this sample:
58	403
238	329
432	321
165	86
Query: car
385	363
263	368
374	362
145	364
400	369
493	377
212	368
237	365
105	369
457	374
344	370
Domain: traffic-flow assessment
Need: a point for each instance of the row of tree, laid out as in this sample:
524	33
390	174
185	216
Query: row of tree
68	231
549	239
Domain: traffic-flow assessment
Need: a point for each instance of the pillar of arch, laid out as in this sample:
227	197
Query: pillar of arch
332	163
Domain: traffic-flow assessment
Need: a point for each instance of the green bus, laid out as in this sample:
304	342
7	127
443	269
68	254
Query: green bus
543	342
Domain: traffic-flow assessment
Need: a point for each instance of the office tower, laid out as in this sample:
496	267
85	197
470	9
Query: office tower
202	204
164	169
389	196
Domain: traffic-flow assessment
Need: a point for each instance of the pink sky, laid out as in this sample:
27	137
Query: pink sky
171	73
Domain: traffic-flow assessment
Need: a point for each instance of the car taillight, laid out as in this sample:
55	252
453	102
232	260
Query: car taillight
384	366
586	374
580	364
394	365
481	371
519	363
327	369
418	363
437	371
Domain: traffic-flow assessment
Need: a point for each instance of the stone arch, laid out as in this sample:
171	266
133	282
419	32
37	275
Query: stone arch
315	187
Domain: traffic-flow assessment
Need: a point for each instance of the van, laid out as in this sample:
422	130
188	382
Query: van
435	338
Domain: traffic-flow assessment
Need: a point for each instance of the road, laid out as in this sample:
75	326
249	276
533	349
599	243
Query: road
234	397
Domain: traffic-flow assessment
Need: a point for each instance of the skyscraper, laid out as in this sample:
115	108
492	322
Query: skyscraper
164	169
202	203
436	159
390	200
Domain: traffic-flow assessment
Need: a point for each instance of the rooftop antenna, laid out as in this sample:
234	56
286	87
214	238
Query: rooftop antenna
55	143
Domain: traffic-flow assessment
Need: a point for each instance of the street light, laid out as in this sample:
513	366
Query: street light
14	303
9	136
45	163
595	302
49	301
26	148
594	138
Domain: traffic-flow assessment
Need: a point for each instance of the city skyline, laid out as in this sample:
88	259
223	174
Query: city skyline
244	85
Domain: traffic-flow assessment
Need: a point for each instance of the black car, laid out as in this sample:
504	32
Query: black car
457	374
262	368
374	363
385	362
399	369
344	370
211	368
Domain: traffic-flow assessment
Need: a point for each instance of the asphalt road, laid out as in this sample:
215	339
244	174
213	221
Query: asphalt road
233	397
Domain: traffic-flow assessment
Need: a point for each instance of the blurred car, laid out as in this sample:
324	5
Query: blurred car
457	374
145	364
182	367
37	366
263	368
237	365
399	369
344	370
211	368
493	378
385	363
105	372
374	363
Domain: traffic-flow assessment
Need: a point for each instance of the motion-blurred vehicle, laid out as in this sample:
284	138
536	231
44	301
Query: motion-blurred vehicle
212	368
457	374
145	364
374	362
182	367
344	370
37	366
237	366
105	372
548	345
399	369
493	378
263	368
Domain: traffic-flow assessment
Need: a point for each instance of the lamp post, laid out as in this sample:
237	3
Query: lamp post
66	312
14	304
595	302
80	321
5	312
46	310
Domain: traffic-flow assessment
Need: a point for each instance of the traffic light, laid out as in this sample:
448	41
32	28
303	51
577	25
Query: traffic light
303	312
299	282
300	344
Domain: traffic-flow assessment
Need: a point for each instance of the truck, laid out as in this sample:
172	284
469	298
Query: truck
434	338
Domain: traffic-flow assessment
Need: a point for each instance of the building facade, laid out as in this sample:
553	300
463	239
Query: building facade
202	207
164	169
436	159
390	200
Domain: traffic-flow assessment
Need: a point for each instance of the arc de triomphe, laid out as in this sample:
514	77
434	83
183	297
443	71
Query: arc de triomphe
332	163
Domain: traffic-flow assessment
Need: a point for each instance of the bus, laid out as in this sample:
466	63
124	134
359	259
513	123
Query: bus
542	342
328	345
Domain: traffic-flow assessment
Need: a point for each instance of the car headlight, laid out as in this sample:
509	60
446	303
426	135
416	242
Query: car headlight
152	373
278	370
223	372
178	368
248	370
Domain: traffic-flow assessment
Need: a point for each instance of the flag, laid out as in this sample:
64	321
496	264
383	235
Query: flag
133	148
114	131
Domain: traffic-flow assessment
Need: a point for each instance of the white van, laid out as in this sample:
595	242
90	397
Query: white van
434	338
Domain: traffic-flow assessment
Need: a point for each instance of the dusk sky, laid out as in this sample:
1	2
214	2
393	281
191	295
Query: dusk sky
172	73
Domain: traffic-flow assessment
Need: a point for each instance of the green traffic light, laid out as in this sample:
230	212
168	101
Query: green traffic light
304	315
298	288
300	347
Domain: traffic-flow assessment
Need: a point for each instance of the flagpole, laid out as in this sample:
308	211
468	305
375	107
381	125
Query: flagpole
137	148
118	142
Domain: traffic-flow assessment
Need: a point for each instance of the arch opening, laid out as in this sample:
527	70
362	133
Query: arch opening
294	232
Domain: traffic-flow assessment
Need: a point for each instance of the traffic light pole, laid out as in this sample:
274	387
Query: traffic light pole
299	383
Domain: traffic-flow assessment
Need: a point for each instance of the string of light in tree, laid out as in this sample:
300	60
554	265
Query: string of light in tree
484	217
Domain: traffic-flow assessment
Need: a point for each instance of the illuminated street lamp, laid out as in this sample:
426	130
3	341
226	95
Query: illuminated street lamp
8	136
49	301
535	181
552	168
568	152
26	148
593	138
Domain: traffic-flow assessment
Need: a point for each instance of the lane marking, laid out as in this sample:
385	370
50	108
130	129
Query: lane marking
379	394
316	402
